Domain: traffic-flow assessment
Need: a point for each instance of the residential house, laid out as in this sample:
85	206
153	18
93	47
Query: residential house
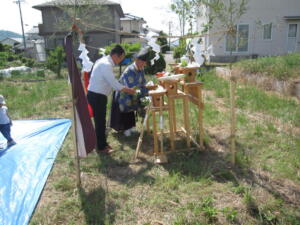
132	25
12	41
33	34
268	28
99	20
35	45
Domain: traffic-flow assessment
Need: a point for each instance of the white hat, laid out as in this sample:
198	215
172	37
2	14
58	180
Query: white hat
2	100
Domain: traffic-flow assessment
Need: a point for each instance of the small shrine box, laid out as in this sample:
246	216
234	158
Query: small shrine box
156	97
171	86
190	72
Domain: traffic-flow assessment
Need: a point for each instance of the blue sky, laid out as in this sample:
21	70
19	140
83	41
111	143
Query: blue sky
155	12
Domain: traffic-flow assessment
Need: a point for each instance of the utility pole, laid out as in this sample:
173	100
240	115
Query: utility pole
170	23
19	3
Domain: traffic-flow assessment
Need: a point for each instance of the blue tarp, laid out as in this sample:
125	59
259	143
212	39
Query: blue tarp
24	167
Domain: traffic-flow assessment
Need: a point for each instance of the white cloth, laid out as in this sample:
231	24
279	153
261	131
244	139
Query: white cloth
102	79
4	119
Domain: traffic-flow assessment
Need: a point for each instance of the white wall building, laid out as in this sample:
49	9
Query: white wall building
132	25
12	41
268	28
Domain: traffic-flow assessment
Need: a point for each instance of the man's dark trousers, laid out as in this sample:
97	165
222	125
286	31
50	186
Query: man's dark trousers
98	103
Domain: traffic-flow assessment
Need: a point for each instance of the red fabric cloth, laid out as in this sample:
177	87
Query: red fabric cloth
86	81
85	133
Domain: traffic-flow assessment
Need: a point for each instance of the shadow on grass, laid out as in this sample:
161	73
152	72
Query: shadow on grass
96	208
117	168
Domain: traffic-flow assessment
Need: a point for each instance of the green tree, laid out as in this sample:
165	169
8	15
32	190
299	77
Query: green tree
185	11
130	49
158	66
223	14
163	42
55	60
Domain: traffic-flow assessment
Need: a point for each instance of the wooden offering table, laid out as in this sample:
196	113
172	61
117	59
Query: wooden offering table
172	88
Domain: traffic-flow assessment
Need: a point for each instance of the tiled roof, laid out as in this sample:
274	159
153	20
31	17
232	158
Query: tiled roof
71	3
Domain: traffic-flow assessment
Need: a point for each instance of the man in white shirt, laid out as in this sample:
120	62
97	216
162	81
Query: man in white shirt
102	82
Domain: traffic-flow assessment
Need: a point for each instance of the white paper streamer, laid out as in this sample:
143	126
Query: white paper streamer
85	60
152	43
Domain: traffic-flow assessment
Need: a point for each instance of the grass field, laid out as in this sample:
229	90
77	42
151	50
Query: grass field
195	187
280	67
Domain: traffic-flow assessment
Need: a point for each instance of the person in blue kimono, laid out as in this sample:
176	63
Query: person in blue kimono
124	105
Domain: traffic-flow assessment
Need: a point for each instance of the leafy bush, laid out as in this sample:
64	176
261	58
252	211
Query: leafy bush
40	73
15	73
29	62
23	60
5	48
1	47
40	65
158	66
130	49
163	42
180	50
55	60
10	58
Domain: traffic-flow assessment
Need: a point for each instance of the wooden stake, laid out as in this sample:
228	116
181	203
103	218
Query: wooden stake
232	118
146	121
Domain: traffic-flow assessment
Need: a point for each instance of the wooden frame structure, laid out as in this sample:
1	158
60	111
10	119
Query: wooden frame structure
190	92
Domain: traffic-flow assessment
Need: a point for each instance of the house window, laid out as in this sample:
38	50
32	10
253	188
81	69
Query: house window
238	41
292	31
268	31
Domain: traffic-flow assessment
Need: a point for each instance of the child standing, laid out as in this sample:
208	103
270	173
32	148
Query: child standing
5	122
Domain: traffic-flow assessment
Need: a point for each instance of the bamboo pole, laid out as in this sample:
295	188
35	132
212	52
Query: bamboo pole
232	118
146	121
161	126
74	127
191	137
148	124
200	116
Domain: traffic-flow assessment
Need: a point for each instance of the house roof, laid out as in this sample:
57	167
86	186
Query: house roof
19	40
33	30
292	17
55	3
29	44
128	16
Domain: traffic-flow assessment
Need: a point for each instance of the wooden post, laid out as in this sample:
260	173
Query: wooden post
155	138
232	118
187	120
171	122
171	103
200	115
